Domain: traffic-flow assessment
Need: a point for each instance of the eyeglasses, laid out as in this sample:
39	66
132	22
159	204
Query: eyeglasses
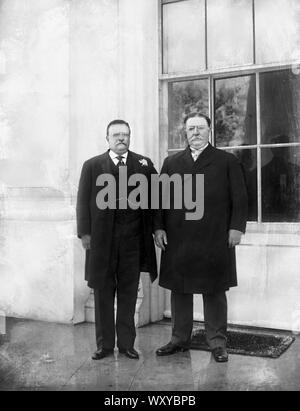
118	135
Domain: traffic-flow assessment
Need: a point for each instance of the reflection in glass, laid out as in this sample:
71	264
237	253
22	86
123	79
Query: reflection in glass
248	161
235	111
184	36
230	33
281	184
280	107
185	97
277	30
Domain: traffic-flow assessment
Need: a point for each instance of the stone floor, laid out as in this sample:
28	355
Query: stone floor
42	356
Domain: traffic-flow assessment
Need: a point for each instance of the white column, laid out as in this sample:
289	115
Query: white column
139	104
94	102
37	223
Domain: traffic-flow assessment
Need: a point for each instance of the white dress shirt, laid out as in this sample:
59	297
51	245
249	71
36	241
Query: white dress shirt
115	156
196	153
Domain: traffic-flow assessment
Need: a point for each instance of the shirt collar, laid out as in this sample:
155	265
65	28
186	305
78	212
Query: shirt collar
115	156
194	150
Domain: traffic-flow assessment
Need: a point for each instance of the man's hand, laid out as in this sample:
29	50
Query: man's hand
235	238
161	239
86	242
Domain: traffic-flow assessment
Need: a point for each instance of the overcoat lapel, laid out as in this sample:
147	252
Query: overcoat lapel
205	158
187	161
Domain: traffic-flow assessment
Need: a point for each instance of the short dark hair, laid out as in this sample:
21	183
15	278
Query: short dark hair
114	122
192	115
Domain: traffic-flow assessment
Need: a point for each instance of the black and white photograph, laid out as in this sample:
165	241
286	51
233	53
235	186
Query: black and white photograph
149	198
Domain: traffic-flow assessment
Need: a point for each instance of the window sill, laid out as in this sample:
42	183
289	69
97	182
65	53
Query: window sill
273	228
272	235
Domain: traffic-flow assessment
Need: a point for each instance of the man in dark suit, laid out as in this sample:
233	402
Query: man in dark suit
199	256
118	242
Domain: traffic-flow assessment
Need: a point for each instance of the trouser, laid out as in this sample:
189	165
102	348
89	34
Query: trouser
122	282
215	318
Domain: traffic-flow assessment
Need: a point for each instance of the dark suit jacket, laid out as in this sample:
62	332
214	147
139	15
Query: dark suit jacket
100	223
197	258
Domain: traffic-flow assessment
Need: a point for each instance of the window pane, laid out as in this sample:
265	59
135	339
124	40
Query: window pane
235	111
230	33
184	36
277	30
281	184
280	107
248	160
185	97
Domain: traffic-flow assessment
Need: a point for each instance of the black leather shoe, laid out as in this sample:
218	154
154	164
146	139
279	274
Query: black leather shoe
101	353
130	353
220	354
170	349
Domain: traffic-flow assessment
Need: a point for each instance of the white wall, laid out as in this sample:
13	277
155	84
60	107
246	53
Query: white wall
114	74
36	258
94	82
138	73
34	93
66	69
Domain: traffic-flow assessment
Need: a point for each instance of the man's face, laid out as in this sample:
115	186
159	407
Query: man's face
119	138
197	132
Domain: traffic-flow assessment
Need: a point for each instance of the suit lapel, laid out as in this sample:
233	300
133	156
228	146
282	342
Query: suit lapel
136	165
108	166
132	161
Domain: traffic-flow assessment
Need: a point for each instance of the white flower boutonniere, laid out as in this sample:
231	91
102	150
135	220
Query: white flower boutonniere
144	162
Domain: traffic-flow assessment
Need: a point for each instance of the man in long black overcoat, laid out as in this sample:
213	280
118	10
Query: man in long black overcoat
199	256
118	242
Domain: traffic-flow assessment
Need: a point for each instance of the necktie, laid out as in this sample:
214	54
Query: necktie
195	153
121	162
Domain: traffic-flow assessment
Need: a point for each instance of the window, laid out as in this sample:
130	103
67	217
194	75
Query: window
185	97
280	137
229	44
184	49
235	111
277	30
253	101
